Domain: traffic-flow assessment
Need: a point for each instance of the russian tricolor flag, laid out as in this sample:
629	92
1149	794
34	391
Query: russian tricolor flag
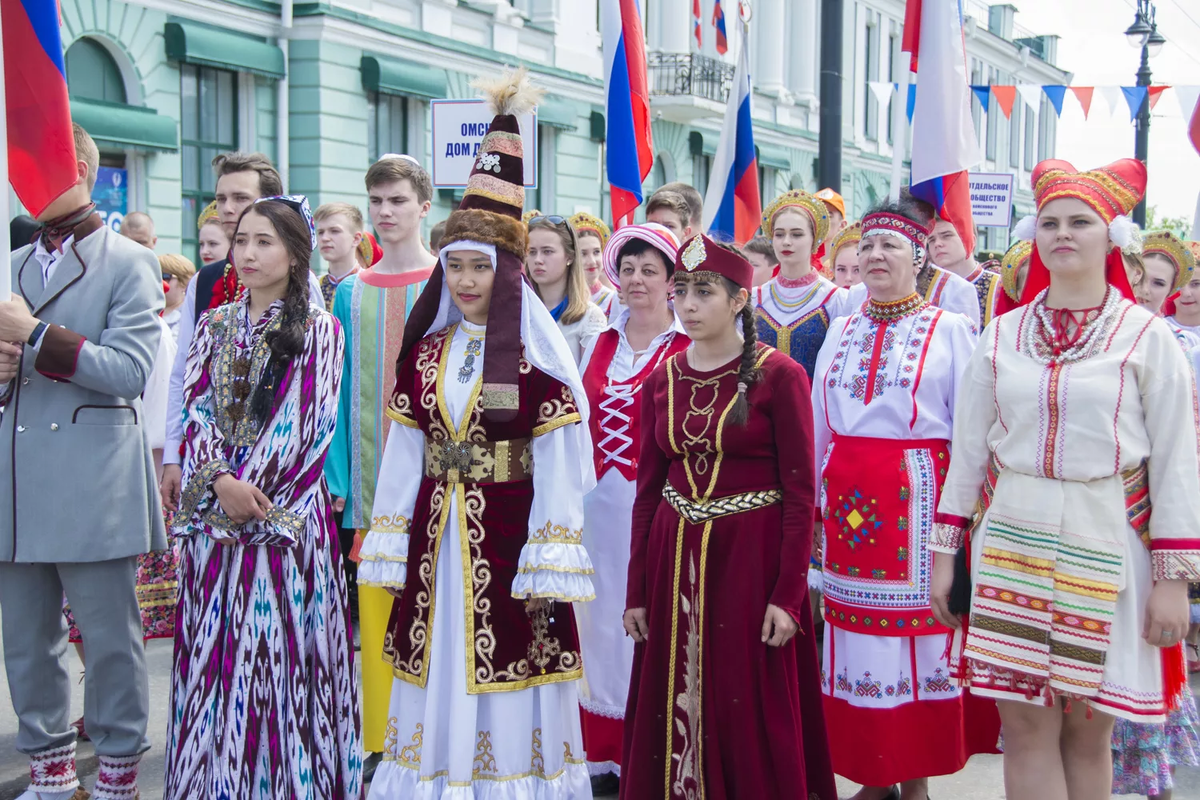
627	106
41	146
719	24
732	205
944	143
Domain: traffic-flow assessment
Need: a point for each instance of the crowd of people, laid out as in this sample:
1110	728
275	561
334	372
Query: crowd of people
598	512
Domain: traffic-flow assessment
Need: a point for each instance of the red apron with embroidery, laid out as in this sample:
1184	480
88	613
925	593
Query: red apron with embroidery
880	497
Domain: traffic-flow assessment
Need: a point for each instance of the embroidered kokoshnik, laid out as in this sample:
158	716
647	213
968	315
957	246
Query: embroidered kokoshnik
697	513
502	461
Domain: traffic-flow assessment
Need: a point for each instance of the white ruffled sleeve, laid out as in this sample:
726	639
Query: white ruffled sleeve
384	551
554	563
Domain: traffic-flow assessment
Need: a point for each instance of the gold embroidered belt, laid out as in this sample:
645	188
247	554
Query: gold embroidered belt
478	462
698	513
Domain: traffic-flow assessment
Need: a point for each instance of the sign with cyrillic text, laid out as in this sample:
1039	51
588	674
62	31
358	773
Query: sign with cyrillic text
992	198
458	128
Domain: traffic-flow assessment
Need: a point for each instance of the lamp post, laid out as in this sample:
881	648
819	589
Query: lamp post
1143	33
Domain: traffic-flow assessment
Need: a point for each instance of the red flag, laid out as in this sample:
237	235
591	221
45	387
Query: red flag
696	25
41	145
911	40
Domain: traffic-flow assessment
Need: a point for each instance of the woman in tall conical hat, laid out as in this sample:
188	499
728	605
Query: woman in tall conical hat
793	310
482	544
1073	492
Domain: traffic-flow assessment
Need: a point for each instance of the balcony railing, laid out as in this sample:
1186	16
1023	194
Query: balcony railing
689	74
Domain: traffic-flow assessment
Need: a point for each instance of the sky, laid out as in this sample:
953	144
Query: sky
1094	48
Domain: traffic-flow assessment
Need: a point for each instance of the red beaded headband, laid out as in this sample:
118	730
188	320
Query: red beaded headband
885	222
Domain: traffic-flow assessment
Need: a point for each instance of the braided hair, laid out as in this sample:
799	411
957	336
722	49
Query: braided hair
287	341
748	373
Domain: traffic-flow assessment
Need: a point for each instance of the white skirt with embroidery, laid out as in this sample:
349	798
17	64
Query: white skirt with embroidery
445	744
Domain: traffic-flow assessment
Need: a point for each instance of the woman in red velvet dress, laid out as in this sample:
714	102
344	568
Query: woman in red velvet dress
724	700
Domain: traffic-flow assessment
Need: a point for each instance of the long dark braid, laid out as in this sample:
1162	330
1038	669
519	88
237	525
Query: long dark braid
287	341
748	373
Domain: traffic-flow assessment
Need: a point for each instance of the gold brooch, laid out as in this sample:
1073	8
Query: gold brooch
695	254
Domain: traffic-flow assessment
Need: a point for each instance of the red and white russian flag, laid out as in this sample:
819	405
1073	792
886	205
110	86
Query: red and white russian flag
696	26
732	205
630	143
944	144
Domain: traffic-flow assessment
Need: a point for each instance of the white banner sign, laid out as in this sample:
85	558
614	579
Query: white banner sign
458	128
992	198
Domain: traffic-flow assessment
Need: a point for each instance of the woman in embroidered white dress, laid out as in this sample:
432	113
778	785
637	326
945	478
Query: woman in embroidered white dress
883	408
793	310
1075	469
478	519
641	260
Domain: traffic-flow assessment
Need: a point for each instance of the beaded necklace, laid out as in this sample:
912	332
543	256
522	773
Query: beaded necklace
1050	340
893	310
791	305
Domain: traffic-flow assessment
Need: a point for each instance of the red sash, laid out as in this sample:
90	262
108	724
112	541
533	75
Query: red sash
880	499
616	405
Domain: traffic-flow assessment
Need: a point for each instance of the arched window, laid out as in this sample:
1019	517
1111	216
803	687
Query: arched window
92	74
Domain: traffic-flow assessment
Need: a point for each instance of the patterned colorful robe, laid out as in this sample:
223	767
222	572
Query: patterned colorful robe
264	699
372	308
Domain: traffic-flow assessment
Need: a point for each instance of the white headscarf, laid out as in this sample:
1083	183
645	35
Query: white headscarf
545	348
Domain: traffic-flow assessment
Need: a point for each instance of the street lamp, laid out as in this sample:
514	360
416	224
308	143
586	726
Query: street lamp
1143	33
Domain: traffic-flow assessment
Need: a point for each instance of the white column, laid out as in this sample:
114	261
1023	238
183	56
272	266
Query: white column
768	19
804	43
675	26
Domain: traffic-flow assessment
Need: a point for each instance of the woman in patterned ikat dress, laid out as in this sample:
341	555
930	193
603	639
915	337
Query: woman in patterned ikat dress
264	701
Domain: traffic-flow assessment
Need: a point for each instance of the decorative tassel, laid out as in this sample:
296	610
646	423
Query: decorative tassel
1174	675
356	548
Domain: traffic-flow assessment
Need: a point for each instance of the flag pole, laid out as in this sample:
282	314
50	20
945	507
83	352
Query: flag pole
5	192
900	133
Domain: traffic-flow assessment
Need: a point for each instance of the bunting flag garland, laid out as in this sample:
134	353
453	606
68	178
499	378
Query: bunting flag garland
1117	97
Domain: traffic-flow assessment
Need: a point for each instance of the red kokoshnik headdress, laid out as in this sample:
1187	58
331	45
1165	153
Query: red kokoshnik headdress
1112	192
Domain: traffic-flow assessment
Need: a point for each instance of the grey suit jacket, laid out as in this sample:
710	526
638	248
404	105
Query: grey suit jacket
77	481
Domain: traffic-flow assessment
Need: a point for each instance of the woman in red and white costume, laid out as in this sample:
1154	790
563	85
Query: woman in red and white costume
883	405
1074	495
645	332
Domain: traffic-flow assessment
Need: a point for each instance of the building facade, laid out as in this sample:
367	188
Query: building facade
164	85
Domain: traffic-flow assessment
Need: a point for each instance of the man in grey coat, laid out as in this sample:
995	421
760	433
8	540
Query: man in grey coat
79	501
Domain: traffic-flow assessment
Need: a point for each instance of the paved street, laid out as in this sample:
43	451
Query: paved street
981	780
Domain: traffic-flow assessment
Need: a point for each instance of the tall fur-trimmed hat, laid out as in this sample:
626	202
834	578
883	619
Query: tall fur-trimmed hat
490	214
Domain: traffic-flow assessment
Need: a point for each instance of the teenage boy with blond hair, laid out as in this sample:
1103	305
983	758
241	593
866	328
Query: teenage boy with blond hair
339	232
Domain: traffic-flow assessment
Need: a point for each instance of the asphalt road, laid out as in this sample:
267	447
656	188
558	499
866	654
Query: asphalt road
981	780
